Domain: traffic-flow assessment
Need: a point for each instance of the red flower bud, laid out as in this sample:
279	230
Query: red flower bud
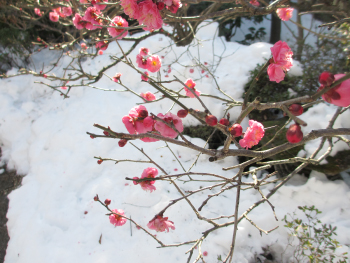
296	109
41	72
99	161
211	120
122	142
224	121
107	201
182	113
92	137
294	133
45	76
326	78
38	39
106	133
96	198
160	5
191	70
236	130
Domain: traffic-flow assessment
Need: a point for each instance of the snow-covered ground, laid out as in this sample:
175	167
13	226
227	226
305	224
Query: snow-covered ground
52	216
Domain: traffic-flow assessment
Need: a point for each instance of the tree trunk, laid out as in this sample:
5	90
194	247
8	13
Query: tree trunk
275	29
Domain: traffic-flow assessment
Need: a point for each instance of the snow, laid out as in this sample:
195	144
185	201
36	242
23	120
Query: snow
52	217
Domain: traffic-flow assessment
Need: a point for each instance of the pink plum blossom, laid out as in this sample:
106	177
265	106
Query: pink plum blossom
84	1
253	134
339	95
149	172
285	13
166	130
117	220
78	22
54	16
91	14
37	11
143	77
191	84
118	21
281	61
102	45
144	51
149	15
131	8
138	122
254	2
149	96
176	4
160	224
67	11
97	4
153	63
141	61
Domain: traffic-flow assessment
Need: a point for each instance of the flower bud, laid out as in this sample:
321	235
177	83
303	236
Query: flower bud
106	133
326	78
211	120
224	121
294	133
182	113
296	109
99	161
160	5
117	76
135	182
122	142
236	130
96	198
83	45
92	137
107	201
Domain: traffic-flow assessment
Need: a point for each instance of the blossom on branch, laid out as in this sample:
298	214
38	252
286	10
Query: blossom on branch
191	84
131	8
280	62
254	3
148	96
164	129
138	122
54	16
37	11
339	95
154	63
149	15
117	219
253	135
78	22
114	32
285	13
160	224
149	172
97	4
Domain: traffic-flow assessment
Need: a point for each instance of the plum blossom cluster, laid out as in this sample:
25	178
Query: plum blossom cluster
148	61
147	12
138	122
149	172
57	13
280	62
